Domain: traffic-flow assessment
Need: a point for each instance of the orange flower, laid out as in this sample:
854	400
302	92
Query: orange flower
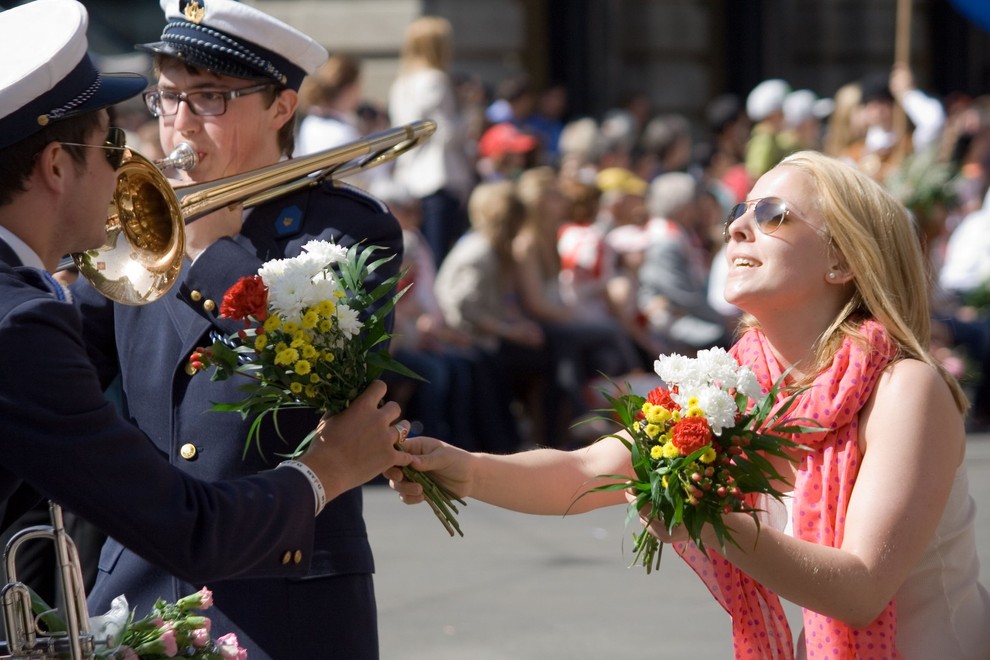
661	397
691	434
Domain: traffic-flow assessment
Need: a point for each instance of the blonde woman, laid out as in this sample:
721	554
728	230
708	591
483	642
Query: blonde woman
438	172
878	544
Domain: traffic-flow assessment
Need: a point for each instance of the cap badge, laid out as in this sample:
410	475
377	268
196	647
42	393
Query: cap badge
193	11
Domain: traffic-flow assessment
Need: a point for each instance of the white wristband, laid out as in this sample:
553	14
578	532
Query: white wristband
319	493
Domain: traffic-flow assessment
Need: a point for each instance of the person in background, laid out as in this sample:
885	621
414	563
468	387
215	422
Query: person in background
329	100
765	108
478	294
504	152
818	256
439	172
59	155
673	279
236	107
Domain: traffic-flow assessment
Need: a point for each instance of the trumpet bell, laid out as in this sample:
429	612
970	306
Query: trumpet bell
145	245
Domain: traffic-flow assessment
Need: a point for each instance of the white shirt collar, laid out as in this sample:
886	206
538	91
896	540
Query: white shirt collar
27	256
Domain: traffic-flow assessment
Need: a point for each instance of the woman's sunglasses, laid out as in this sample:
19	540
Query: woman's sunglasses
769	213
115	146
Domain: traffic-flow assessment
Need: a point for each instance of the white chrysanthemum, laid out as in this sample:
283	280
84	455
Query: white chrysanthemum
675	370
747	384
348	320
719	406
325	252
290	284
715	365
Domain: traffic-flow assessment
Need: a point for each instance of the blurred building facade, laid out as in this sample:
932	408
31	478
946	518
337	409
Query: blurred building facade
681	53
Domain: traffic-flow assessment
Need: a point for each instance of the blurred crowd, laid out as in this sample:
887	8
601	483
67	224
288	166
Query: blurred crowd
550	256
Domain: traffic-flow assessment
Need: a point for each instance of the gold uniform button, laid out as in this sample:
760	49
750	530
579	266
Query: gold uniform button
287	557
297	557
195	296
209	305
188	451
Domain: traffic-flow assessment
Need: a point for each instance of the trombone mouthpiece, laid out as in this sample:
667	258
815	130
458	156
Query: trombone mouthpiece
182	158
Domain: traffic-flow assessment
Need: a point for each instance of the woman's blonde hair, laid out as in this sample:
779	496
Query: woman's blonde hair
874	234
497	214
428	44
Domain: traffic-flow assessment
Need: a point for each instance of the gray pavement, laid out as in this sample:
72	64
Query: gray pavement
520	587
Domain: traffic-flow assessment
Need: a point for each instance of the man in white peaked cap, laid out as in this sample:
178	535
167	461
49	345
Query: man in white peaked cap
227	82
58	158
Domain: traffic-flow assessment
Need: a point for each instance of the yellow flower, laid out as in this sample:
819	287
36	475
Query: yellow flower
310	391
286	357
707	456
290	327
309	352
670	450
295	387
338	293
299	340
302	367
272	323
664	481
260	342
656	414
675	416
325	308
325	326
653	430
656	452
310	319
314	378
694	411
328	357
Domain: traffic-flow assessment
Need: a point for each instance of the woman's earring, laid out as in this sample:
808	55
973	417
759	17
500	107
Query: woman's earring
831	275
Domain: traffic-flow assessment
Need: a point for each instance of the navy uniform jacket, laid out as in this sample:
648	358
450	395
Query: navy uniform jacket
63	438
330	612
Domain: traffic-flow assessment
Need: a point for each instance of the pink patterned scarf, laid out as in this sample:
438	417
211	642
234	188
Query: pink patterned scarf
824	482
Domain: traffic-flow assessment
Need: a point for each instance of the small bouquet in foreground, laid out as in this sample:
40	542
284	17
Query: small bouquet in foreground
700	447
312	338
170	630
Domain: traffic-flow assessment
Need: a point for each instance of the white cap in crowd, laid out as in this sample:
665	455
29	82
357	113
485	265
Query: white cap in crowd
234	39
47	74
766	99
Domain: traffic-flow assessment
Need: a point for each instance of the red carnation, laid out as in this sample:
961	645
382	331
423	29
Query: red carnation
247	298
691	434
661	397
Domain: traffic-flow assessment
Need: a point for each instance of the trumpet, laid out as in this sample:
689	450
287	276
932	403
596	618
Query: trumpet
145	244
24	637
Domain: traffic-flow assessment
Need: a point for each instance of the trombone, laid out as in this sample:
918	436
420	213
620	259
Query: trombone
25	639
145	244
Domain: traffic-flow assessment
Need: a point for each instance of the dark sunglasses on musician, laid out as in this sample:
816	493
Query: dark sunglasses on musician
114	147
769	213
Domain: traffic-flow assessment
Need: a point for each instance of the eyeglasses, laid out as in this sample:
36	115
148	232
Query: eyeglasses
202	104
769	213
115	145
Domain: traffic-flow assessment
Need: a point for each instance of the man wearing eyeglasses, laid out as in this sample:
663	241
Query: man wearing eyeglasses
61	437
227	81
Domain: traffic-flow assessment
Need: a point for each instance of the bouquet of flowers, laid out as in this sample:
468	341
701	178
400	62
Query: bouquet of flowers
312	338
170	630
700	446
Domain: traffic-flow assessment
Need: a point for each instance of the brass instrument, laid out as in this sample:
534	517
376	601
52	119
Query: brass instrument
145	244
24	638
